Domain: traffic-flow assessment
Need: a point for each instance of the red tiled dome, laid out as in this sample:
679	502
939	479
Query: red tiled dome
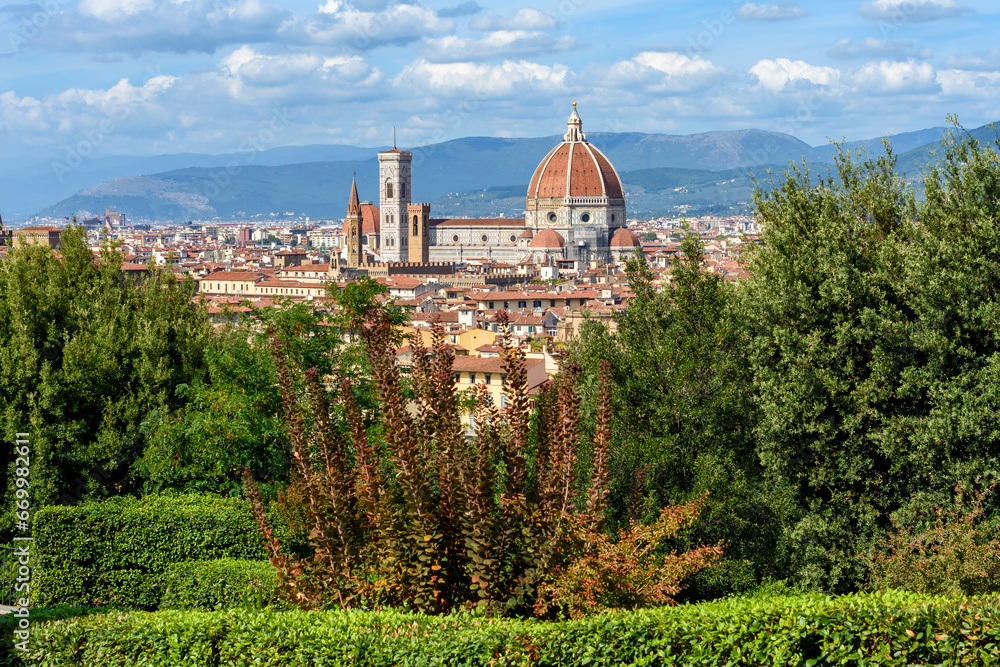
547	238
575	168
623	238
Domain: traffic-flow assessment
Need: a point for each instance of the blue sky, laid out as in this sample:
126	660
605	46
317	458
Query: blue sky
162	76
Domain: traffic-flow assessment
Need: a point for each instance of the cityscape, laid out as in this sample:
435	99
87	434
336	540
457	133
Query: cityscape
412	332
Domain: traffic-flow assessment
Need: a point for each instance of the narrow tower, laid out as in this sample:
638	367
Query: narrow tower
419	232
394	197
352	225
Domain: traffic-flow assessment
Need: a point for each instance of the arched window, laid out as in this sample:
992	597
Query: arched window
402	190
415	232
388	189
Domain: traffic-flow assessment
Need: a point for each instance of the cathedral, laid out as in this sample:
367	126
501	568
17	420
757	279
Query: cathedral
575	210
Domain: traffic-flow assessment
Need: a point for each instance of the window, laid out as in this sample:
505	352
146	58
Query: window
402	190
585	217
388	189
506	305
485	238
612	217
415	232
486	378
491	305
503	379
513	239
536	304
503	401
472	378
458	378
553	217
454	239
522	304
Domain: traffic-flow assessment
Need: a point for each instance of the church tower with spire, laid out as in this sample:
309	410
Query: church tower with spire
352	224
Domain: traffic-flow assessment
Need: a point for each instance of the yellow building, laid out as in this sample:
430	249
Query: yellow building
488	371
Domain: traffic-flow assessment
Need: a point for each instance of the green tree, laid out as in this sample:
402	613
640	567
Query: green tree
875	352
230	420
684	414
84	356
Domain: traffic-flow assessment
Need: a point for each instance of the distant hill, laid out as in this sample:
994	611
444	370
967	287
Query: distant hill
474	176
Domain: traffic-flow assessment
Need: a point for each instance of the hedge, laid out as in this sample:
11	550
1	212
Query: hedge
875	629
114	552
219	584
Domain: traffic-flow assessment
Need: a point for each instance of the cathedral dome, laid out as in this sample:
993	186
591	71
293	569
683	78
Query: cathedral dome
575	168
623	238
547	238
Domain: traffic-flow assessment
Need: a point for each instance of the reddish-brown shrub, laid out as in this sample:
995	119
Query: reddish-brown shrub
427	518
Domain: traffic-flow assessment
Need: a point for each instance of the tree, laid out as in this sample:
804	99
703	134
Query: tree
84	356
684	414
229	420
875	353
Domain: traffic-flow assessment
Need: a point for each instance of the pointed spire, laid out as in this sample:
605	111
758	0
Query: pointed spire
354	205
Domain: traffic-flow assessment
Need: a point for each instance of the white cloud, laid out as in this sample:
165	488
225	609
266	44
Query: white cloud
781	11
482	80
115	10
964	84
779	73
248	75
980	60
62	114
870	47
903	11
892	77
499	44
341	23
662	72
138	26
523	19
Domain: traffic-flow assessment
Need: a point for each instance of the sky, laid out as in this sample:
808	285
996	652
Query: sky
145	77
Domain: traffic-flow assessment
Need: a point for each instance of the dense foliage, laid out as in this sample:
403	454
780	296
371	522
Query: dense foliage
117	551
84	357
683	417
883	630
875	348
223	583
954	552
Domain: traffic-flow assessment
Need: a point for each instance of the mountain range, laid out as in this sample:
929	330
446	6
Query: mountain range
711	172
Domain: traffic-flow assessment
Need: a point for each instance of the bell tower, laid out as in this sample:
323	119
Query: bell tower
394	198
352	225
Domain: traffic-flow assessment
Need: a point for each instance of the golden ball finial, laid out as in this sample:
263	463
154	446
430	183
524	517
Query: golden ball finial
574	103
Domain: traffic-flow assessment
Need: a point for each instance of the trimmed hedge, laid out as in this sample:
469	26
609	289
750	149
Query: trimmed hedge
114	552
225	583
885	629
